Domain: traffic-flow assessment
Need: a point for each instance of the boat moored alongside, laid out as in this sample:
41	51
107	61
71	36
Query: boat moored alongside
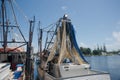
63	60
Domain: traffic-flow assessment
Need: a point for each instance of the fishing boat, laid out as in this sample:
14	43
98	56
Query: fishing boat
15	51
4	71
61	59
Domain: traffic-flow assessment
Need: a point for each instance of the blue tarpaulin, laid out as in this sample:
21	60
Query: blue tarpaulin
71	32
17	74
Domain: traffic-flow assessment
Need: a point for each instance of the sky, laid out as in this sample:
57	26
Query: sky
96	22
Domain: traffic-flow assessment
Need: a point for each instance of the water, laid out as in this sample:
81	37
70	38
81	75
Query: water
109	64
35	69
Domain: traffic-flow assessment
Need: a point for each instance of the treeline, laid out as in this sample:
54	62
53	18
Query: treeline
102	51
114	52
88	51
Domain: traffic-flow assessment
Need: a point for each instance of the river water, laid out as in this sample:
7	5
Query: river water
109	64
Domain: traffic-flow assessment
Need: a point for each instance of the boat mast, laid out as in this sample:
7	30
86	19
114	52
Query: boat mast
5	26
40	35
29	51
7	31
4	32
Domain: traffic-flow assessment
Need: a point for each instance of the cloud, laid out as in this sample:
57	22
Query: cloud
116	36
83	45
113	43
113	46
64	8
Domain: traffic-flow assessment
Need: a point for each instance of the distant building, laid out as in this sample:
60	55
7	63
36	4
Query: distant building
104	53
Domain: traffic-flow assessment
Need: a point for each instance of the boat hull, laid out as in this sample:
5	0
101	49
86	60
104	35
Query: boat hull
4	71
74	72
85	77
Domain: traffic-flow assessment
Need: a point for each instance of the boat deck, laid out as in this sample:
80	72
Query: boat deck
78	72
4	71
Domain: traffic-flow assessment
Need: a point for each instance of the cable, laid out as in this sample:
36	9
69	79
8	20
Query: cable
49	26
16	20
26	18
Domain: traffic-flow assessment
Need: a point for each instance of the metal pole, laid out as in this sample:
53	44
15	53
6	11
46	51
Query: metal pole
41	33
28	55
16	21
4	36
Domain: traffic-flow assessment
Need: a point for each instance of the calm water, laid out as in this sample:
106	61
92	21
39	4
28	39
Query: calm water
35	69
110	64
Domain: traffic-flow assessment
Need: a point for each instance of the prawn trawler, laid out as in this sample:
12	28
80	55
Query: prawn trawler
14	49
62	59
4	71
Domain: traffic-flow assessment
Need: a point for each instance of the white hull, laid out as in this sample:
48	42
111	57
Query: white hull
85	77
4	71
78	72
92	77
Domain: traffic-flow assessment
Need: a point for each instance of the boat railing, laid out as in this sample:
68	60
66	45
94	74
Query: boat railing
50	77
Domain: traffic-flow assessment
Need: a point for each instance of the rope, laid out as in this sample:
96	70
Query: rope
16	19
1	34
26	18
1	24
63	44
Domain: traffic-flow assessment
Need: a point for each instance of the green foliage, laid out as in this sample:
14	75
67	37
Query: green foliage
86	51
96	52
